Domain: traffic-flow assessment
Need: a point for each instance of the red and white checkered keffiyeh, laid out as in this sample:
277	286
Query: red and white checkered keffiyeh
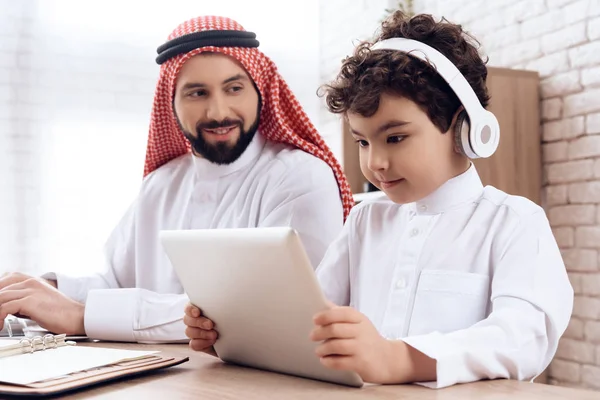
282	117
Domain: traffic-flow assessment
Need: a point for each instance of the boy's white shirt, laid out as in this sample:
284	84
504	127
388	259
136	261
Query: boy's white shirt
469	276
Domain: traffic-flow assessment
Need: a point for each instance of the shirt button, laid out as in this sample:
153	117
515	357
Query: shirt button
401	283
414	232
423	207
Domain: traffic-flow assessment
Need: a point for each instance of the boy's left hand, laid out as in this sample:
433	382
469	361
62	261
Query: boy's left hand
351	342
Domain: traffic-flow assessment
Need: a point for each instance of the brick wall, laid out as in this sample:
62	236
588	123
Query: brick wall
561	40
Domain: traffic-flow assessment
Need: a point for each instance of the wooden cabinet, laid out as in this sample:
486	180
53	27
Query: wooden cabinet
516	167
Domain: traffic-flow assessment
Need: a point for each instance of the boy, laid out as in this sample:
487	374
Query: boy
446	281
442	280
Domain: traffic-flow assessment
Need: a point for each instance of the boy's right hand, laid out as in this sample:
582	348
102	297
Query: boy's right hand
200	330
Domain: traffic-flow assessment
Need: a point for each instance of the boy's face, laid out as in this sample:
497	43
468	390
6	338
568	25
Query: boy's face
402	152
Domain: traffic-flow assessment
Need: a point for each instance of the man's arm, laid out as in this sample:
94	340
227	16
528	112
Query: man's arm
135	315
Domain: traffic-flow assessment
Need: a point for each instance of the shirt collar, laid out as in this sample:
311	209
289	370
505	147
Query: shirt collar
206	169
453	193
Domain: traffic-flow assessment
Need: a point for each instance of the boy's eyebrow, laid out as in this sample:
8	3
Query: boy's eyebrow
391	124
388	125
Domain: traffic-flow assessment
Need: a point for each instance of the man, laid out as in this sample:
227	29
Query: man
256	161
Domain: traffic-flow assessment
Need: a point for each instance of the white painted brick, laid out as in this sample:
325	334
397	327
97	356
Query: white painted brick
585	55
570	171
561	84
590	77
565	236
575	329
572	215
583	147
10	27
464	15
584	192
551	109
565	371
495	58
588	237
576	11
501	38
8	60
575	350
523	10
586	307
548	22
7	93
554	4
521	51
9	44
592	123
557	194
593	30
576	280
570	36
580	260
553	152
592	331
564	129
597	168
590	375
550	64
487	24
594	8
582	103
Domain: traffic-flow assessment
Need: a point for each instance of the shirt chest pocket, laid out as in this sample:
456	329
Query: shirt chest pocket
447	301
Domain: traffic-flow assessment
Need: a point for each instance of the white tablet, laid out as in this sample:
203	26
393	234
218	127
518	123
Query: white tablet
260	290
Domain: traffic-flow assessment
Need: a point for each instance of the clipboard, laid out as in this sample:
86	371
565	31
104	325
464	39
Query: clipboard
125	364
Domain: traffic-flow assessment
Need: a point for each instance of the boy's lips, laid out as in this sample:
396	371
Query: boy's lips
389	184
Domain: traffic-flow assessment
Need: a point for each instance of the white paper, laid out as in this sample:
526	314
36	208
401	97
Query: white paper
8	342
43	365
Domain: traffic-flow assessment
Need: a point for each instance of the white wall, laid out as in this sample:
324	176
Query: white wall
76	86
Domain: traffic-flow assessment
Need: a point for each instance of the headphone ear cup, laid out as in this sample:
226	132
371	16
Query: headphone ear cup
462	123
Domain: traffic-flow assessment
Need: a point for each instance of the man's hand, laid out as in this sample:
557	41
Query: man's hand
200	330
39	300
351	342
10	278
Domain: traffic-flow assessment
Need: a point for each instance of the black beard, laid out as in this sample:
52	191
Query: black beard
220	153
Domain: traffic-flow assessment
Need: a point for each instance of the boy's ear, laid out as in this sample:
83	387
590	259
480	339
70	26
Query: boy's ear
460	118
452	127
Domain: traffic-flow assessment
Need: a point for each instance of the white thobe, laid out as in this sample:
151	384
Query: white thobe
139	297
469	276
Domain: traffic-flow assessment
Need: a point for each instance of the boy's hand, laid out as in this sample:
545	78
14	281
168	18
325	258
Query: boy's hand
351	342
200	330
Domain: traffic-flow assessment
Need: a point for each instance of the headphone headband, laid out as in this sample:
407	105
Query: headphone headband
483	124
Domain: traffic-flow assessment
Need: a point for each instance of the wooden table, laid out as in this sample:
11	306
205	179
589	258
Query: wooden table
205	377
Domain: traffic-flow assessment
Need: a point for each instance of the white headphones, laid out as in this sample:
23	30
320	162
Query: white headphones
479	135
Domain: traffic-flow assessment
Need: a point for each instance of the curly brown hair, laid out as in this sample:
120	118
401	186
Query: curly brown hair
367	74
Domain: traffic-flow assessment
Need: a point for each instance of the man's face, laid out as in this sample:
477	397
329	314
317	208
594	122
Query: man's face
402	152
217	107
